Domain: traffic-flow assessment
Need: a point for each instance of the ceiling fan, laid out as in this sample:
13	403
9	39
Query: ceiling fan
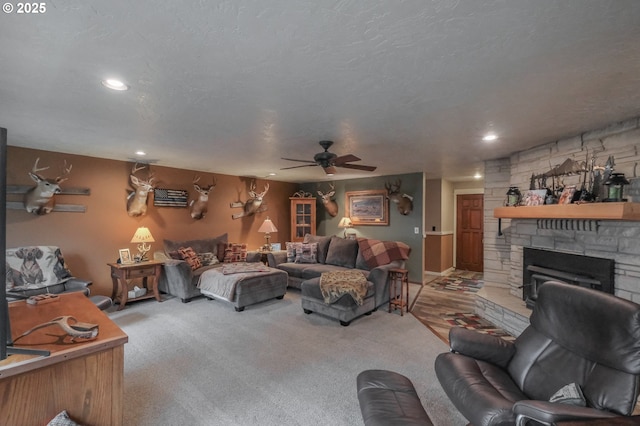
329	161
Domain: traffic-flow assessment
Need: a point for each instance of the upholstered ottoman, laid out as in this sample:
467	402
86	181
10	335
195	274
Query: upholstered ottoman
344	309
389	398
244	288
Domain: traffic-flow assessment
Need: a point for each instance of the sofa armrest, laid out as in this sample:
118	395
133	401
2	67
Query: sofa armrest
276	258
77	284
552	412
485	347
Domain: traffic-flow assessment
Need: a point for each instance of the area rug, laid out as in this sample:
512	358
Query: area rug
474	322
465	281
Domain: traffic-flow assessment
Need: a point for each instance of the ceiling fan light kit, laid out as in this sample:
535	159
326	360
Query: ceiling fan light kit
329	161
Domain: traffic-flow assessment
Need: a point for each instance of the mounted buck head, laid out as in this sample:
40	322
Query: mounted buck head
40	199
199	207
330	205
254	204
404	202
137	200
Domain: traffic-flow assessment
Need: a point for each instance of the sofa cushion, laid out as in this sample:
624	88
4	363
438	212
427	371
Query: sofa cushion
291	251
205	245
190	256
323	245
342	252
208	259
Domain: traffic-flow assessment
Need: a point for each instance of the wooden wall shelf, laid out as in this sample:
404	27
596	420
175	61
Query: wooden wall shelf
605	211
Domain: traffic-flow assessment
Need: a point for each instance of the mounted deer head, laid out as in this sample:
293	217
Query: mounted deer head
40	199
137	199
254	204
199	207
404	202
330	205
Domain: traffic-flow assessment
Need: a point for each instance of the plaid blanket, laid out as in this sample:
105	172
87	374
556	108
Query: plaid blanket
334	285
376	252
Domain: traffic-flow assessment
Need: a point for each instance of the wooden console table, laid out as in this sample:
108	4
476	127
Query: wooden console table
84	378
121	272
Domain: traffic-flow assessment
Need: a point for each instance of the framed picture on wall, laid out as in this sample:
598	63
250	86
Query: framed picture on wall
367	207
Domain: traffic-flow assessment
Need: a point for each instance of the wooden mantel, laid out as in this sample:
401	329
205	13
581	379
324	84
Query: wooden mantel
605	211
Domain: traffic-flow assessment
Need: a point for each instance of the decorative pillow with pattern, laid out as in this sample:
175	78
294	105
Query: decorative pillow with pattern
190	256
35	267
291	252
208	259
306	253
235	253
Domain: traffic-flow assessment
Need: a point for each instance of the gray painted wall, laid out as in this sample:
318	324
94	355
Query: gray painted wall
401	228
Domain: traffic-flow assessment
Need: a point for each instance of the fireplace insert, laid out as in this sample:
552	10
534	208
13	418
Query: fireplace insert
539	266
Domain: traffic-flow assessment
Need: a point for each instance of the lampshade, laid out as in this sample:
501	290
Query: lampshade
345	222
267	226
142	235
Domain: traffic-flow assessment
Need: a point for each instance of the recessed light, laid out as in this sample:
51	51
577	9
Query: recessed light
490	137
141	153
113	84
272	174
477	176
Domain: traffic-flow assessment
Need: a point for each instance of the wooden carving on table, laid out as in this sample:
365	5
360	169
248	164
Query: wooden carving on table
254	204
199	207
404	202
40	199
137	199
330	205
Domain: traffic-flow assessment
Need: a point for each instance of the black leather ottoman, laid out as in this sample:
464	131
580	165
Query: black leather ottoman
388	398
344	309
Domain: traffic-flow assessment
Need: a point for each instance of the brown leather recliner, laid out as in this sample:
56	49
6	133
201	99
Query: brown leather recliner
576	335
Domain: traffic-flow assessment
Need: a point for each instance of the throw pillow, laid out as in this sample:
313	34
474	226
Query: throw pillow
190	256
291	252
208	259
235	253
570	394
306	253
342	252
62	419
35	267
323	245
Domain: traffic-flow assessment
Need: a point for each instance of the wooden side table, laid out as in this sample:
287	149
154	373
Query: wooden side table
398	277
149	272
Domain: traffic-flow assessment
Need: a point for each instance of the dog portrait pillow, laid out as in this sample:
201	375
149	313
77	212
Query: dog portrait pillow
35	267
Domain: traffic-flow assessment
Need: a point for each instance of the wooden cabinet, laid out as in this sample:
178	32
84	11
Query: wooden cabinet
303	217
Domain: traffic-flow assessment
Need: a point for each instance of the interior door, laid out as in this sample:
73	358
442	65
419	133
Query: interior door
469	232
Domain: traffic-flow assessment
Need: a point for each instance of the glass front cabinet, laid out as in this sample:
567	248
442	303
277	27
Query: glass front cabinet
303	217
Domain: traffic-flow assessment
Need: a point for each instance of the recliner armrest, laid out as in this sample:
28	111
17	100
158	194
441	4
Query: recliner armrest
485	347
552	412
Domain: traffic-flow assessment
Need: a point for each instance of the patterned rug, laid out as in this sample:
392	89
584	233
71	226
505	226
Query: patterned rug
466	281
474	322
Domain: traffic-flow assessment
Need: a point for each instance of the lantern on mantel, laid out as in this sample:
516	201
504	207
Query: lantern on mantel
513	196
615	187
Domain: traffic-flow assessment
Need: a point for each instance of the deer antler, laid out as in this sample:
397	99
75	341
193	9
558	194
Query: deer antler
136	169
196	179
35	168
65	171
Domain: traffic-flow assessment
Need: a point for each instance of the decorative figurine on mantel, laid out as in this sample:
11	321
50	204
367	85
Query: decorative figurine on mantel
615	186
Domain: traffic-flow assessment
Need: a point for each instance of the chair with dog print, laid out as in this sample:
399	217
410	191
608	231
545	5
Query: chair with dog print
37	270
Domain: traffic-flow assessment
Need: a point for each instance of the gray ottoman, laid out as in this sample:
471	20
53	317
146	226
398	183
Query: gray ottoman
344	309
250	288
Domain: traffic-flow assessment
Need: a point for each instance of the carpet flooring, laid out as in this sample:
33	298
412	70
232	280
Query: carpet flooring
202	363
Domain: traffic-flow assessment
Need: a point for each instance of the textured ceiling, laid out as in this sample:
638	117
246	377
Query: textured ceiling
231	86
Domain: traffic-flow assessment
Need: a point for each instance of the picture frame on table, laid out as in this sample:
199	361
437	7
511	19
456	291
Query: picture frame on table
367	207
125	256
276	246
351	235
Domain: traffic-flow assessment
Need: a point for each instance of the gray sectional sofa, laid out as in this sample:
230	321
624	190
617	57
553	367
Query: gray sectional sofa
336	254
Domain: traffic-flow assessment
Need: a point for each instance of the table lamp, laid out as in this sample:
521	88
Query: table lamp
267	227
345	223
142	237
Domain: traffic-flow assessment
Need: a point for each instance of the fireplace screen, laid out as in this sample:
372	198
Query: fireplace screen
539	266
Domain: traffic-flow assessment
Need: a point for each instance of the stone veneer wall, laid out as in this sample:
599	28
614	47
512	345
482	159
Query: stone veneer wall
618	240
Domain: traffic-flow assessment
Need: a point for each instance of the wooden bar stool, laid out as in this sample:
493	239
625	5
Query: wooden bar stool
398	277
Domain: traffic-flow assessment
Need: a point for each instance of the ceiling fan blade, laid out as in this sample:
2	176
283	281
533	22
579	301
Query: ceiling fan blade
301	161
295	167
357	167
330	170
338	161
